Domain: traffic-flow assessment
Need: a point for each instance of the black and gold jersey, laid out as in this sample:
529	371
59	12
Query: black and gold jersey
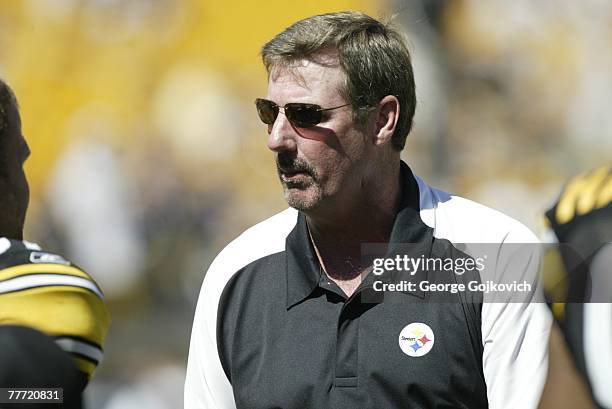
46	292
578	275
582	214
581	225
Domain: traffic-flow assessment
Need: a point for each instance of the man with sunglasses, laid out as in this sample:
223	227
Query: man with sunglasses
289	316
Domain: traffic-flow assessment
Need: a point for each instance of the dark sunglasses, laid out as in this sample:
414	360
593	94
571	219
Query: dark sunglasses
300	115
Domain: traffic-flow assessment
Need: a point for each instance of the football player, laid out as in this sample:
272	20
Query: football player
53	319
578	283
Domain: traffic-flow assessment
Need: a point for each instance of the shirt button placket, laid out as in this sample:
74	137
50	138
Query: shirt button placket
347	345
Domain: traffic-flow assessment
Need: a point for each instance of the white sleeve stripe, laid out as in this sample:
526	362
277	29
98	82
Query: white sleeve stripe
514	335
74	346
206	385
44	280
5	244
597	344
31	246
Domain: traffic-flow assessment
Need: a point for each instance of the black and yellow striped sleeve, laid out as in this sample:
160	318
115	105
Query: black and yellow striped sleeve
585	195
61	301
579	223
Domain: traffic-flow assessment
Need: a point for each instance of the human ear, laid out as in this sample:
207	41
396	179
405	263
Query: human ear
387	116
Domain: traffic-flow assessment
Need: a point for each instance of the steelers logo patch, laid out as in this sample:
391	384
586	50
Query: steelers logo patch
416	339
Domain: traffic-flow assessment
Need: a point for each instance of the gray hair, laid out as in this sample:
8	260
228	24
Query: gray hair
373	56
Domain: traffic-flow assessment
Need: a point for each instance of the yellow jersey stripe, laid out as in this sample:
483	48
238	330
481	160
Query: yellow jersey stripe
42	268
24	282
57	311
605	195
84	365
581	195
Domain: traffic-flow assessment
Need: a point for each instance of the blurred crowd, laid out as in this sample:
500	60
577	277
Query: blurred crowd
148	156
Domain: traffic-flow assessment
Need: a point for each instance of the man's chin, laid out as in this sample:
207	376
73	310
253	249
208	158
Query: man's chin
302	198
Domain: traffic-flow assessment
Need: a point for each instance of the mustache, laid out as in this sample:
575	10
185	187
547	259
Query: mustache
290	163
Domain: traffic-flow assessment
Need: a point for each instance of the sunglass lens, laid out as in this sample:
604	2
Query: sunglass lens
303	115
267	111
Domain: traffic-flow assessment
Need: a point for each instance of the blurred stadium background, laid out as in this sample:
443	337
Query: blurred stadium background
148	156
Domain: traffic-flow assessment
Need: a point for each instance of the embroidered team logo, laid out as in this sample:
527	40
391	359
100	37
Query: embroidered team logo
40	257
416	339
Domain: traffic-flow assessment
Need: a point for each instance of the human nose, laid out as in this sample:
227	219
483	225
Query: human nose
281	135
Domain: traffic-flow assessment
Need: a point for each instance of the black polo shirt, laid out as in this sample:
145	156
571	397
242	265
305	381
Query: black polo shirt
271	331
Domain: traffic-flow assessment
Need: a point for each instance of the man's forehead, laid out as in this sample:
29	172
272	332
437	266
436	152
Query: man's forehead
9	117
12	126
308	72
13	115
327	58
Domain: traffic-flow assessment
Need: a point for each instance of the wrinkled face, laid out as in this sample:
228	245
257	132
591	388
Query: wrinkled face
14	190
322	164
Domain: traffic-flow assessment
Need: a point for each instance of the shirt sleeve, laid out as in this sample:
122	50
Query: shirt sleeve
61	301
515	334
31	358
206	385
598	336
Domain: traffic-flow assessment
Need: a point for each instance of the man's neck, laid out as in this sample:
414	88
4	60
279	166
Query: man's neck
338	236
